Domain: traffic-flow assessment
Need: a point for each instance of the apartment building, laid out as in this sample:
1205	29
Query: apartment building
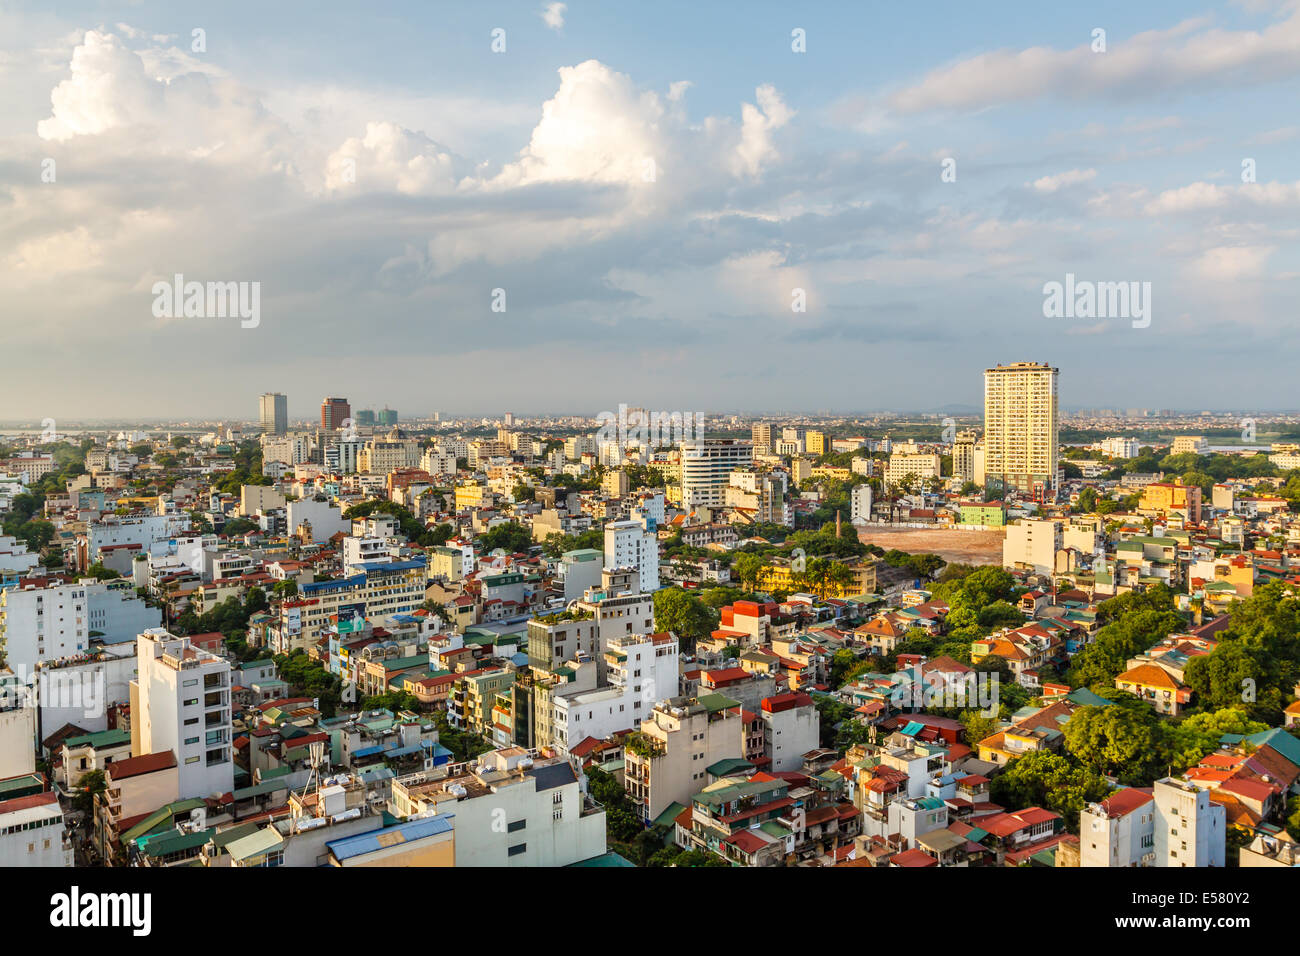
1172	824
32	832
641	670
509	807
39	624
376	593
963	454
668	759
706	470
180	702
1021	426
918	467
1166	498
630	544
1032	544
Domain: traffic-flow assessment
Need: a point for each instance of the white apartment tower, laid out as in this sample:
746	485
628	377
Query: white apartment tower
629	544
706	470
180	701
1020	426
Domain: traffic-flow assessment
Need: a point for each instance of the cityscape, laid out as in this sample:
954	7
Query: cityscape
540	435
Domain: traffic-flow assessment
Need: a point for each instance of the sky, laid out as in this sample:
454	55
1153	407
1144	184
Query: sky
560	207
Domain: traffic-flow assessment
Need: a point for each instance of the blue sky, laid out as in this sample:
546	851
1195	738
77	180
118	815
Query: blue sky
649	184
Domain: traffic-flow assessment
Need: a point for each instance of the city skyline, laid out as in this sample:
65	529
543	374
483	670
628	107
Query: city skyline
368	194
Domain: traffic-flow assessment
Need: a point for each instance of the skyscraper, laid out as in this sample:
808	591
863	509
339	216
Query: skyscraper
1020	426
273	413
333	412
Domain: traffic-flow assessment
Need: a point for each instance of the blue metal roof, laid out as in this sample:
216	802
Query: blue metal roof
409	832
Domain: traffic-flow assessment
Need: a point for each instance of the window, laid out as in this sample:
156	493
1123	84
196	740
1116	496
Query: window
191	702
516	826
517	849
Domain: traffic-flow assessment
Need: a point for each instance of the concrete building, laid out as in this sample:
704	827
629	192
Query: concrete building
641	670
180	702
1021	426
32	832
860	503
918	466
1190	828
963	455
629	544
791	728
668	760
273	413
45	624
1032	544
706	470
509	807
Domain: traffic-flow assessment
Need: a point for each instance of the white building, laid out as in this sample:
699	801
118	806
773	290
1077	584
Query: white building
32	833
15	559
1190	828
509	808
791	728
326	519
642	670
706	470
860	503
1174	824
1032	543
181	702
1119	447
628	544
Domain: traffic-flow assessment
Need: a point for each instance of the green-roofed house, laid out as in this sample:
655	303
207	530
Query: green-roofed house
89	752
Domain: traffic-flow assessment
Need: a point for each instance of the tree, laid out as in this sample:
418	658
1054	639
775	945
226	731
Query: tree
1117	741
977	726
684	615
510	536
1046	779
746	569
92	784
101	573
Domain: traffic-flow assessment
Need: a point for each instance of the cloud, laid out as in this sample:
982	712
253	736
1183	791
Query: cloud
553	15
108	88
1229	263
390	157
1191	55
755	148
1050	184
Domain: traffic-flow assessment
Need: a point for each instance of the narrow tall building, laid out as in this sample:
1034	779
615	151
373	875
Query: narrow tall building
1020	426
334	412
273	413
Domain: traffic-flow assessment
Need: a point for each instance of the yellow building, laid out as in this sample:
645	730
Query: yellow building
471	496
781	577
1165	497
815	442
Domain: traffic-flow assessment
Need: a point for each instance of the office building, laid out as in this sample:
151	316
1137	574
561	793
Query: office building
334	412
273	413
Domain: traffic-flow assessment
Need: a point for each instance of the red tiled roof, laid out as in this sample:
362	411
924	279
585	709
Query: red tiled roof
135	766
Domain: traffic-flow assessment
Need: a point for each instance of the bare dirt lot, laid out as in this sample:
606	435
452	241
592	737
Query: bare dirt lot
968	547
